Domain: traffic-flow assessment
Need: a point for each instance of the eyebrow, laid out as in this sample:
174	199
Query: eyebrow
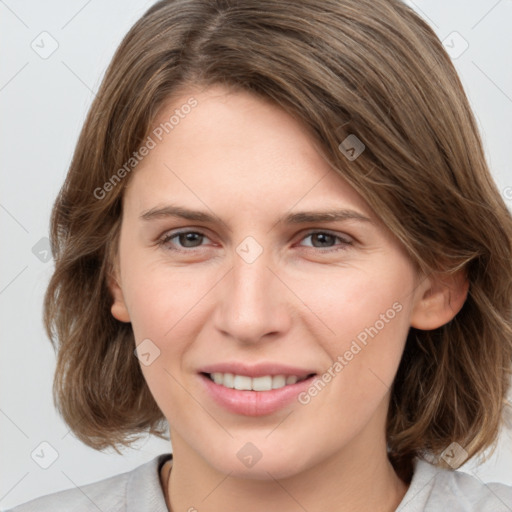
331	215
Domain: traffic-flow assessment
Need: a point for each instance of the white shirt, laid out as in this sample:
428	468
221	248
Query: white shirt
431	490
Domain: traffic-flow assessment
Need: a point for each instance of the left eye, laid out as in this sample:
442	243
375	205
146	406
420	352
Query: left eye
326	240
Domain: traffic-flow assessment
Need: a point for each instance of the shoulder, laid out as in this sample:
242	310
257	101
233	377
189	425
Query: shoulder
434	489
138	489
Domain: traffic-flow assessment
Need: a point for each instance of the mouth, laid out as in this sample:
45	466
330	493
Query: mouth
254	396
246	383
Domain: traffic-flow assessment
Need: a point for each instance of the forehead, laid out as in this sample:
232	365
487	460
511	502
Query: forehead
235	150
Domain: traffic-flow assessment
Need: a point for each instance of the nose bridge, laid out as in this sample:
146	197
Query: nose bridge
251	305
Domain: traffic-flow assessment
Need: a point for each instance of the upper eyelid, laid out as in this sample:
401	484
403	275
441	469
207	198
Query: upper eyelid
342	236
172	233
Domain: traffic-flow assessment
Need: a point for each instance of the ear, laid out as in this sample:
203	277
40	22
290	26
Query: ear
118	309
440	298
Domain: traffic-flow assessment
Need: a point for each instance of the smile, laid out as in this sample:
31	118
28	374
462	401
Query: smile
254	396
246	383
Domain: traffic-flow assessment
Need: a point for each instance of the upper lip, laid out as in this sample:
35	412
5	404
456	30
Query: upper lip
257	370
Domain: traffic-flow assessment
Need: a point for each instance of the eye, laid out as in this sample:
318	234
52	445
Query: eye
186	239
326	240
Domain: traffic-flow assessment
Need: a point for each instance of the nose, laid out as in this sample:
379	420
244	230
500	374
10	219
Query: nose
252	304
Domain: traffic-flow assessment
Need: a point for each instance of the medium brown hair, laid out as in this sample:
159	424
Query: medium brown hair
369	68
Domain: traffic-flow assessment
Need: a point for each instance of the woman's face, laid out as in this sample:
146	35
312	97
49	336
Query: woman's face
260	288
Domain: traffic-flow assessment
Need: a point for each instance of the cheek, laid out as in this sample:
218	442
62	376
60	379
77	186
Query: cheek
351	299
165	305
364	354
161	299
361	320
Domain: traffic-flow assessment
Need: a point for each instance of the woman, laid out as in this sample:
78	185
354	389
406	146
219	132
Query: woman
279	237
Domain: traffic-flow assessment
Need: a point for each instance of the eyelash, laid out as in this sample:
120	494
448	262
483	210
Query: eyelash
164	241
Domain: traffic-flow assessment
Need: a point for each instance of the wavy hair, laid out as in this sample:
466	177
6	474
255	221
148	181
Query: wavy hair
369	68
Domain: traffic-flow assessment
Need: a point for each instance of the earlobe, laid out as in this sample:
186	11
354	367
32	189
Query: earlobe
440	299
118	309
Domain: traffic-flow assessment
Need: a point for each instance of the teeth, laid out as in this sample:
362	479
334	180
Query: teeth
291	379
261	383
241	382
245	383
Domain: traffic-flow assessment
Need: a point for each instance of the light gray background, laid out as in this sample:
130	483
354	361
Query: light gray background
43	105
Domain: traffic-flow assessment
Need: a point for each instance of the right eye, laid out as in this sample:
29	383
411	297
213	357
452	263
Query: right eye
187	240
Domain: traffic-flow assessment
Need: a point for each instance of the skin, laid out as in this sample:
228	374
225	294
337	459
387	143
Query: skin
301	302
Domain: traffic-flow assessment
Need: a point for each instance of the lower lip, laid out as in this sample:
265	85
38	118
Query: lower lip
254	403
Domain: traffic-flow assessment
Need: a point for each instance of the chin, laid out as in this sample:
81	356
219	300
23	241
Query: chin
267	470
252	463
